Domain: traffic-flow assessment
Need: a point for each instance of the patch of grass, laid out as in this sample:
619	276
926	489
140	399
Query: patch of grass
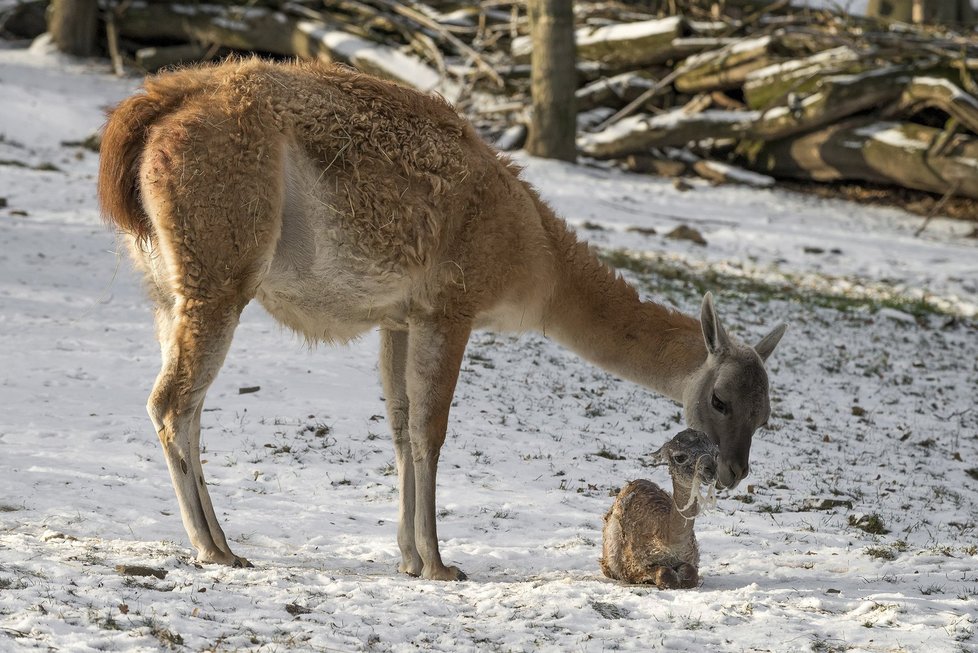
820	645
295	609
693	623
880	552
604	452
318	429
675	277
165	636
106	622
609	610
593	411
942	550
872	524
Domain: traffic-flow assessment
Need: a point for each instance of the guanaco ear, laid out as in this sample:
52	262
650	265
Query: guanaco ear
770	341
659	456
713	333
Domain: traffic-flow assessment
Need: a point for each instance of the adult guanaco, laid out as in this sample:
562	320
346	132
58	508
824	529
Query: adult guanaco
345	203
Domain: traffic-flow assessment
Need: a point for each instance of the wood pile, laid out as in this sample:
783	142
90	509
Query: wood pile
816	97
753	92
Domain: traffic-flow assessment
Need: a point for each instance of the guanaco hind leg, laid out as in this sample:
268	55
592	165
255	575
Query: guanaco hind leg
393	367
194	341
214	202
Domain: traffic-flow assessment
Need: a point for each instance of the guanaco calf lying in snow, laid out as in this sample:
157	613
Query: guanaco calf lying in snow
648	535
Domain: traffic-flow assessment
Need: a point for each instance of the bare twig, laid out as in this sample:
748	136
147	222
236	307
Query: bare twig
937	207
630	108
461	46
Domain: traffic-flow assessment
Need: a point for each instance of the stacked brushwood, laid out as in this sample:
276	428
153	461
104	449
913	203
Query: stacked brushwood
754	92
813	97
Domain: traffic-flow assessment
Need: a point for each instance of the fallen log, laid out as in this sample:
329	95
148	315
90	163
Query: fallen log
873	151
267	30
656	165
727	67
630	44
619	45
677	128
837	97
770	85
634	44
152	59
724	173
614	91
25	19
934	92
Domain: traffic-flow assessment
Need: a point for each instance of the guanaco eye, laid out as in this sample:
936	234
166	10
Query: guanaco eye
718	405
680	458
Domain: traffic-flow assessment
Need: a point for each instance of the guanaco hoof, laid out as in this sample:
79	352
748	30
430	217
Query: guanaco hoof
648	534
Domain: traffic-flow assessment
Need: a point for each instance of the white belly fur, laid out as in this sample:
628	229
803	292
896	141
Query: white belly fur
316	283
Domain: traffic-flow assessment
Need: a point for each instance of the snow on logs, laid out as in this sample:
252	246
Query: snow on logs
799	102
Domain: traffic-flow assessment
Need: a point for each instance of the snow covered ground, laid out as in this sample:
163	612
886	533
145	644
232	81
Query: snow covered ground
856	529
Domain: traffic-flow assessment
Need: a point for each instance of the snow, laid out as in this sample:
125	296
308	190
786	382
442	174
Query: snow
627	31
832	56
741	175
638	123
872	416
956	94
891	134
740	46
855	7
522	45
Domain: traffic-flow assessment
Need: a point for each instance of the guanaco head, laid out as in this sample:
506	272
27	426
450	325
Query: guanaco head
692	459
728	396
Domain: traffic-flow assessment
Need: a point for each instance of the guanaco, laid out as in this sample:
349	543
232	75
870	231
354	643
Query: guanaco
345	203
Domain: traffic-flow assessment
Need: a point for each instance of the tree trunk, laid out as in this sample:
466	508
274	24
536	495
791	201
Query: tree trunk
554	80
73	26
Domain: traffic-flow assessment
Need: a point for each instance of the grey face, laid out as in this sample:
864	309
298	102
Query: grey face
690	455
728	397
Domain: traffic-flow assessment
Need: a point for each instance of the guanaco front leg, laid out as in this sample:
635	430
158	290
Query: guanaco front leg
435	350
194	340
393	368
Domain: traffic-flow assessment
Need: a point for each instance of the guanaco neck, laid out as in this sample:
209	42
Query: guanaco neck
595	313
681	521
